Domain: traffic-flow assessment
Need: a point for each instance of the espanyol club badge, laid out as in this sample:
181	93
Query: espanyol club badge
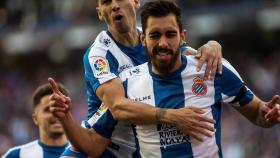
199	88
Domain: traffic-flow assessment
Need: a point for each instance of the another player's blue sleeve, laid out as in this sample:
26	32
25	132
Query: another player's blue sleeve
13	153
233	88
70	151
105	125
99	67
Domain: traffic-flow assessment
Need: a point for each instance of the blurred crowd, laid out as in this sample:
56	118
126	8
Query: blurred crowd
255	54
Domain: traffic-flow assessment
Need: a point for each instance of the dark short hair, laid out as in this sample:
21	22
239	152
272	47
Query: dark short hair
160	8
44	90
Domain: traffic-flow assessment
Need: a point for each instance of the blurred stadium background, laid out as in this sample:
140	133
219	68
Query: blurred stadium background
41	38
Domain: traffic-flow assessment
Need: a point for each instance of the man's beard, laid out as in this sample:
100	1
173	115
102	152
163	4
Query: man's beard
164	68
56	134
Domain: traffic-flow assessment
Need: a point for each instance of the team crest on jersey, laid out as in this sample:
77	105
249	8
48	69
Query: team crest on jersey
100	67
199	88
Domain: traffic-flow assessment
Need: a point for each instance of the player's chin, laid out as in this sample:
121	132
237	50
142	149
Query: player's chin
56	128
57	132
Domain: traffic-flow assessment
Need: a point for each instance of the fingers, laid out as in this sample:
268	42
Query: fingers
273	101
213	69
58	109
273	114
210	53
208	69
200	117
207	119
220	66
201	59
199	133
196	110
54	86
59	98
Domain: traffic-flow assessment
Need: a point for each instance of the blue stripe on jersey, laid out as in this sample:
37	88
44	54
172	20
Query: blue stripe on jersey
113	63
137	54
182	149
14	153
216	111
235	83
136	154
183	47
75	154
70	153
169	93
108	120
247	98
235	86
168	90
125	87
52	151
92	98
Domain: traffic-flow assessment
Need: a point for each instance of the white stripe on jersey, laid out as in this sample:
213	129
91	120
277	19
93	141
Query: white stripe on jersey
204	103
29	150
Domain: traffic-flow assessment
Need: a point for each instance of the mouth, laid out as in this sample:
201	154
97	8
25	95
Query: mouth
118	18
162	53
54	122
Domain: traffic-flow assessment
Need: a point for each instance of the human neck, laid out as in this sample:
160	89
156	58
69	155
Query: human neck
58	140
128	39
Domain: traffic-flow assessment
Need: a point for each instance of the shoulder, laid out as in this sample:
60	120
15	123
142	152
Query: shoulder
100	46
15	151
134	72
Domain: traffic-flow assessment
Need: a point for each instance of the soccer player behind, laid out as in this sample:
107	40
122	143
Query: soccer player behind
52	140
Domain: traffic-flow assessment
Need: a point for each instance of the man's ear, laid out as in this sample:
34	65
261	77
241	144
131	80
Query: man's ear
100	17
143	40
34	118
183	36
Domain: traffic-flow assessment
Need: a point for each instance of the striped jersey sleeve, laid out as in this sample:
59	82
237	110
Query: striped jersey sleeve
233	88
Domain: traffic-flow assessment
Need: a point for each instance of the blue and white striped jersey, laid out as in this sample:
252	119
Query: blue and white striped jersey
35	149
103	61
182	88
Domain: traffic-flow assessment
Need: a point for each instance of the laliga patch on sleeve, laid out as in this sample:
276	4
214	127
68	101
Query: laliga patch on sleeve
100	67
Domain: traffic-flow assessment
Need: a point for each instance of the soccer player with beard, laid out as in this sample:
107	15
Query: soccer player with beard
117	49
52	139
170	81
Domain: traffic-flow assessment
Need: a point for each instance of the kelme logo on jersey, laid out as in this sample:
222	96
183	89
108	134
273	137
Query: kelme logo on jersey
199	88
100	67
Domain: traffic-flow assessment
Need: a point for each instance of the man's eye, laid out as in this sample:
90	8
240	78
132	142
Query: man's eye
154	36
171	34
105	1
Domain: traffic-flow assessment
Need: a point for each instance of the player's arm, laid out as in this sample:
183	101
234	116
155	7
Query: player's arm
264	114
85	140
189	120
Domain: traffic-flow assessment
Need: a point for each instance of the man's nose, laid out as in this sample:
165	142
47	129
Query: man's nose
163	42
115	5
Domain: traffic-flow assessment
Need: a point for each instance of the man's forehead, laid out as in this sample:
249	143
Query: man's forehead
162	23
44	102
